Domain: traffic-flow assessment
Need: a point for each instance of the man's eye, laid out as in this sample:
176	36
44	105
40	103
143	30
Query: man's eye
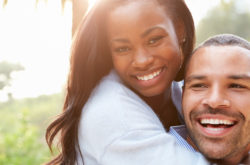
154	40
238	86
197	86
122	49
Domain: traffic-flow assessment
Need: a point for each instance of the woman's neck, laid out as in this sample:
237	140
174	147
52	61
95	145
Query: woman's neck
157	102
164	108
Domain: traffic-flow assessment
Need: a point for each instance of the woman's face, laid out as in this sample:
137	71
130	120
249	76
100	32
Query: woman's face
144	46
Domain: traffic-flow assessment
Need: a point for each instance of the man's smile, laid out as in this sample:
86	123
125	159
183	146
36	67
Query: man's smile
215	125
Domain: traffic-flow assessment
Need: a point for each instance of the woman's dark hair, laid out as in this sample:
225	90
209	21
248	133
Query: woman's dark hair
184	26
90	62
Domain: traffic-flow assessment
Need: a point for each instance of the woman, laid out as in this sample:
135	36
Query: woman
119	97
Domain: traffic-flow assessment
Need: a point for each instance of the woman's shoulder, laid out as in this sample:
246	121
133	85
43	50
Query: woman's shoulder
111	100
111	92
112	111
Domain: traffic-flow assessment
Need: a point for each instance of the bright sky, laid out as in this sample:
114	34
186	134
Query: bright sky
39	38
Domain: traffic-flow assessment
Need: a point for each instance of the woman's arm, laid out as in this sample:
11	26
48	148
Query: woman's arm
118	128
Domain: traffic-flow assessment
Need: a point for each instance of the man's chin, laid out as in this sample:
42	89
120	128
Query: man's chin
214	154
213	148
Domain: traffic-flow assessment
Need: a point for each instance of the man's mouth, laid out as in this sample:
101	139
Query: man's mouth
150	75
216	126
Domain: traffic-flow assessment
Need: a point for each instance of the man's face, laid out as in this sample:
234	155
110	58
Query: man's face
216	101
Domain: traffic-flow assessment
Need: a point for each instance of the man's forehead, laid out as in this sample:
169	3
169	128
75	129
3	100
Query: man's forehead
229	60
213	54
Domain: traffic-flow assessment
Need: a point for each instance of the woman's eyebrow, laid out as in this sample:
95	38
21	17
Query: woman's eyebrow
144	34
122	40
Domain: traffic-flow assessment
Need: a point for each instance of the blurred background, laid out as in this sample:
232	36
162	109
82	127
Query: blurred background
35	39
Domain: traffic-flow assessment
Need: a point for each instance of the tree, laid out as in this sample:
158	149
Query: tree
227	17
6	69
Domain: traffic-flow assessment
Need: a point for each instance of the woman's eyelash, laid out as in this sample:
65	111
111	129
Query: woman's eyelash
155	39
122	49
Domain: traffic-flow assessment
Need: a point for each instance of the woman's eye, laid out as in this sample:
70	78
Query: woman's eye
154	40
122	49
238	86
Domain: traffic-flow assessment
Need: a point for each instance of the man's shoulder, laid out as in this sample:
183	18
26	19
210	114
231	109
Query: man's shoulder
180	133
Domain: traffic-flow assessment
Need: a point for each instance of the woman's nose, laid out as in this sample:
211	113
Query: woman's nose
142	59
216	98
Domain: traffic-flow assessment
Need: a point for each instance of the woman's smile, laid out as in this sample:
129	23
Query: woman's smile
145	54
150	80
149	76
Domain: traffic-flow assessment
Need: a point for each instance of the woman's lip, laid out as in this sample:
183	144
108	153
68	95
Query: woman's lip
152	81
145	73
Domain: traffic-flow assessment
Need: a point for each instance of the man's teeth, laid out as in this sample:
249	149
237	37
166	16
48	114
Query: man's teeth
216	121
149	76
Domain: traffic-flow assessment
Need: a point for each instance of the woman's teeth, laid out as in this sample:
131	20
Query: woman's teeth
149	76
216	121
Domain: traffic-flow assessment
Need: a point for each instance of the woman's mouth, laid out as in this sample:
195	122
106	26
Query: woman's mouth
150	76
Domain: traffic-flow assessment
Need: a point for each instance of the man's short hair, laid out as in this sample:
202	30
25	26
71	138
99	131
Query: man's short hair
224	40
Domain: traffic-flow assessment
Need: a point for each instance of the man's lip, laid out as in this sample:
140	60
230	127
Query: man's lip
215	130
215	116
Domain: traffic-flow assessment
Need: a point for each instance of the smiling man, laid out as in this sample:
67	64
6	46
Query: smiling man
216	99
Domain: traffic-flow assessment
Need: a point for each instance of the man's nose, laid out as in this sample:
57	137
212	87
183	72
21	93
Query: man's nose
216	98
142	59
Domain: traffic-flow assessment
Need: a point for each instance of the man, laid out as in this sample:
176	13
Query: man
216	100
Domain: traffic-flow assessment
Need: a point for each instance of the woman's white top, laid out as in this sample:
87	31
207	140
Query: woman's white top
118	128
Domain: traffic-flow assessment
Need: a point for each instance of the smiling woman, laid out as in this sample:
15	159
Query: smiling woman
121	97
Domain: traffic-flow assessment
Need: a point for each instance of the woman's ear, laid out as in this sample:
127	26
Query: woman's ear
180	74
181	34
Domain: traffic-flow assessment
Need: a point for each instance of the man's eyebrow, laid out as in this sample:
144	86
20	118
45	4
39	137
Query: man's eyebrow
239	77
194	77
150	30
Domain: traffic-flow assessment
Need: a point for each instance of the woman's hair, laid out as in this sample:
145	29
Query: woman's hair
90	62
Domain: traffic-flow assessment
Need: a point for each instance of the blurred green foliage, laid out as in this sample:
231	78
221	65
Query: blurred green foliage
22	129
231	16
